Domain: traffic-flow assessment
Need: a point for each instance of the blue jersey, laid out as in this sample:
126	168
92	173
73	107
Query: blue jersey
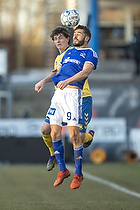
73	62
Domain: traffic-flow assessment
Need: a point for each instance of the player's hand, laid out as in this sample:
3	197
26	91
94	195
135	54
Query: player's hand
62	84
39	86
54	70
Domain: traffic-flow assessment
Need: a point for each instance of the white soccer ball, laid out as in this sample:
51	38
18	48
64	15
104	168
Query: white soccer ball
70	18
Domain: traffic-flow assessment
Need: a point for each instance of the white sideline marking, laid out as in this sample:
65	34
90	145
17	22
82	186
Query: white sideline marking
105	182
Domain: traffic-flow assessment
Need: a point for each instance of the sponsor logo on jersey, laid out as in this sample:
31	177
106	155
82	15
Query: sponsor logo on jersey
71	60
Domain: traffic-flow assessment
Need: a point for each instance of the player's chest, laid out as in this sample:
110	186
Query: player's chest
77	55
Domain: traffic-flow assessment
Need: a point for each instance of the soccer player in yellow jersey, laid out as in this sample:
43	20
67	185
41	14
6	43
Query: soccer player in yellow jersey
61	39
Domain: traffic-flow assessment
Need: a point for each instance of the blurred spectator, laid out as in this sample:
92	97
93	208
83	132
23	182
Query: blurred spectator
135	47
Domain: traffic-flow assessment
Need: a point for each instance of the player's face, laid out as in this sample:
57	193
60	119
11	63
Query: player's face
79	38
61	42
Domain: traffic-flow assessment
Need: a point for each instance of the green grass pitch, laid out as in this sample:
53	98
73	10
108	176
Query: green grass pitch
30	187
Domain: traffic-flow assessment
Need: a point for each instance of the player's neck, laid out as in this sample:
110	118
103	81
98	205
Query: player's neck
82	46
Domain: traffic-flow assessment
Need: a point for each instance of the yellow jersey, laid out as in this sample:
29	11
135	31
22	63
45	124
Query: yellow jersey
86	90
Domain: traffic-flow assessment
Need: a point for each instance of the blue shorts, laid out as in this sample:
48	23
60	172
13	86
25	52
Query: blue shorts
86	114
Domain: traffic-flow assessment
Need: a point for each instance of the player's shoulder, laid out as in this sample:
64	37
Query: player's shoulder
93	52
89	51
70	48
58	57
67	50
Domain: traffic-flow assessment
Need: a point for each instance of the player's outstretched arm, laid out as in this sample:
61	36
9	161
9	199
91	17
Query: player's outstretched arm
39	86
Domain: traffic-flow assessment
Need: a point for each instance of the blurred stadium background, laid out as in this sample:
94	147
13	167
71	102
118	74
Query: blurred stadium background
27	55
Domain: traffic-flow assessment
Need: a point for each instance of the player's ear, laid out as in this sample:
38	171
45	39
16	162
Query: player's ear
68	38
86	38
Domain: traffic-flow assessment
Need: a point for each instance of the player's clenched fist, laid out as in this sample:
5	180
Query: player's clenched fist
39	86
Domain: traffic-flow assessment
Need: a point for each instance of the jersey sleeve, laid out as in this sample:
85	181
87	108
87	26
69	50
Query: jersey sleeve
92	58
55	63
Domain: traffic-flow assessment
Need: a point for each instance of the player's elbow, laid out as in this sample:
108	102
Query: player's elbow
86	74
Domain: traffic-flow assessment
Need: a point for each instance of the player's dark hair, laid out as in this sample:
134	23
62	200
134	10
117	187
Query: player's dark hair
60	30
85	29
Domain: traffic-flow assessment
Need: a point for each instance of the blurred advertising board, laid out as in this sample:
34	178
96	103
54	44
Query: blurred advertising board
21	127
116	100
109	130
106	129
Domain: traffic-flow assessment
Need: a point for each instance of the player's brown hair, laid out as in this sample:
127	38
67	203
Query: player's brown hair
60	30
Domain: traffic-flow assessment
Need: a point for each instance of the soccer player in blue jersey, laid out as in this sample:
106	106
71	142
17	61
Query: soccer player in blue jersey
66	104
61	38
